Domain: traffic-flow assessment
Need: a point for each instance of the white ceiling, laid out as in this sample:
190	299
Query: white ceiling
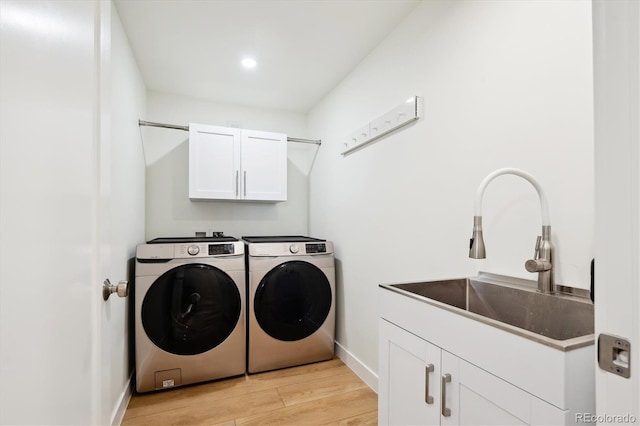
304	48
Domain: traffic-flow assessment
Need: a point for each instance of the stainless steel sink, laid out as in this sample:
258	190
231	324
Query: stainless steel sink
550	319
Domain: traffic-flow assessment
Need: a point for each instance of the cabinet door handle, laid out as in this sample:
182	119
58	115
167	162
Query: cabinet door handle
446	412
245	183
237	181
427	398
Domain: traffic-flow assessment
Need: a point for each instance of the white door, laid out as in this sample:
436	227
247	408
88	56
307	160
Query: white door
264	166
474	396
617	178
409	389
53	185
214	162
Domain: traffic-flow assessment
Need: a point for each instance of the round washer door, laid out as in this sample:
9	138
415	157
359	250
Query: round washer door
292	301
191	309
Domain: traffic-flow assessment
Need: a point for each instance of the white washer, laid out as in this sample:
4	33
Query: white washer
189	311
291	301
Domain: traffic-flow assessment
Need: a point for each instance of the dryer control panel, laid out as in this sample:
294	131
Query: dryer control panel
290	249
308	248
316	247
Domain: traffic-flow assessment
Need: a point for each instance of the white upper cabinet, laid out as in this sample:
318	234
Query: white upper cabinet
264	166
236	164
214	162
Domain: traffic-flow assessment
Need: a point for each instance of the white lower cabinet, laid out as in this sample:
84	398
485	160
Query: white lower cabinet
408	388
422	384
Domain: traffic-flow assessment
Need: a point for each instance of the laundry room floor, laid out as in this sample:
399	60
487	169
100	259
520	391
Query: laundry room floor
324	393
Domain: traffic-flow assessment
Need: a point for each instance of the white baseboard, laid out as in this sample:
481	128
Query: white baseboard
125	397
358	367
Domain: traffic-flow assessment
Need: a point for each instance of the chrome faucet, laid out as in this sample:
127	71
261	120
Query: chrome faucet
542	261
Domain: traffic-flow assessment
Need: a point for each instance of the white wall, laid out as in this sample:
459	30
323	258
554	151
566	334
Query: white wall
505	84
126	205
169	210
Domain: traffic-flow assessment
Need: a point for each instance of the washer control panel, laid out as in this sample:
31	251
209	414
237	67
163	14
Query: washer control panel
188	250
206	249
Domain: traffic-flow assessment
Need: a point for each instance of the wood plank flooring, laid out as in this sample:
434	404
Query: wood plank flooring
324	393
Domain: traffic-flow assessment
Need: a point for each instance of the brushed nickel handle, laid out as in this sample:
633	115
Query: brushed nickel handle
537	265
122	289
446	412
245	183
237	181
427	398
536	251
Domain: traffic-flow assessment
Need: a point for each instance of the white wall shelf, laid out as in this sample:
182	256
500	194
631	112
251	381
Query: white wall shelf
400	116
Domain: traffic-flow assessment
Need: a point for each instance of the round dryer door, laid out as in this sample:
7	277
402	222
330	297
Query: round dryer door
292	301
191	309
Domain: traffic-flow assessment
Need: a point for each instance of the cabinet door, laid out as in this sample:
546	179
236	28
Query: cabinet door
214	162
476	397
264	166
409	390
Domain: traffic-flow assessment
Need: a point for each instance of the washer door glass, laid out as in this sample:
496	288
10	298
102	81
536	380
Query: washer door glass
292	301
191	309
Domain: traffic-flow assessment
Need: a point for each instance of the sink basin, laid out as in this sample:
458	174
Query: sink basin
557	320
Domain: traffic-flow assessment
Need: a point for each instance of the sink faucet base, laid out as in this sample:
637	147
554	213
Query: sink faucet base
542	262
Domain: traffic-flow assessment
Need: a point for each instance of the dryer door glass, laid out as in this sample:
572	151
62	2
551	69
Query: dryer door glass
292	300
191	309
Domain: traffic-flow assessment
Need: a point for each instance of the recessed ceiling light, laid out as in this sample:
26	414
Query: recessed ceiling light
249	63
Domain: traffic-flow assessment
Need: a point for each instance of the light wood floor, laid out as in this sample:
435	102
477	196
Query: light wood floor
325	393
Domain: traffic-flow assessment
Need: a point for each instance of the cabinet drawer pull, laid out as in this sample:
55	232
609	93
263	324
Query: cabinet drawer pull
446	412
245	183
237	180
427	398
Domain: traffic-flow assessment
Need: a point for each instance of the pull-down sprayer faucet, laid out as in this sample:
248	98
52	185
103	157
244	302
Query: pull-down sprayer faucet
542	261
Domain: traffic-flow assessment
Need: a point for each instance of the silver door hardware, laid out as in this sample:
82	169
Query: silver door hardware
122	289
446	412
427	398
614	355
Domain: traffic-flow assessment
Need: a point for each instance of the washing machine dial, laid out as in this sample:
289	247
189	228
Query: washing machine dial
193	250
293	248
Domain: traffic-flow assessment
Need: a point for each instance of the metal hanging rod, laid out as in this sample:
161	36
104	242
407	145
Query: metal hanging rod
166	126
186	128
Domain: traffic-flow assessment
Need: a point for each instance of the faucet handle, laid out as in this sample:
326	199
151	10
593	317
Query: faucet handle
536	252
537	265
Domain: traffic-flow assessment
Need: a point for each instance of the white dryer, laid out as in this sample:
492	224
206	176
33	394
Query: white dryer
291	301
189	311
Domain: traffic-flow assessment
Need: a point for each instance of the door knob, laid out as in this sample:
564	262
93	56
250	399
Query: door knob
122	289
